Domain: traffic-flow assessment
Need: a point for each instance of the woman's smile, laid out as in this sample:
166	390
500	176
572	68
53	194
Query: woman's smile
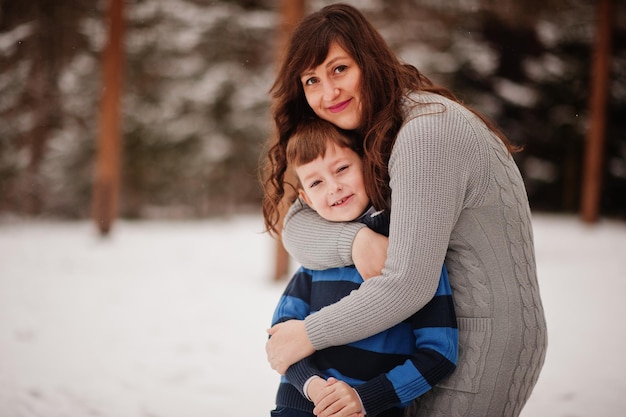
340	106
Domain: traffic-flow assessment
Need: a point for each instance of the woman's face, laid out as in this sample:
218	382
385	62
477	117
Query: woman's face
333	89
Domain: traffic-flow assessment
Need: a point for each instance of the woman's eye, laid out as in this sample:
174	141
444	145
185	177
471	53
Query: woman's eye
340	68
310	81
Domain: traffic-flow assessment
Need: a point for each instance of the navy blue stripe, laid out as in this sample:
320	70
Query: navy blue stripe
424	364
392	412
357	363
299	286
439	312
379	393
288	396
329	292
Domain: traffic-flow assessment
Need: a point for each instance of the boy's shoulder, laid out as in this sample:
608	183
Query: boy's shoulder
377	220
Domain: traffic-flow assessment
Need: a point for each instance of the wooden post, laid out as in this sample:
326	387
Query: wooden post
291	12
107	173
594	147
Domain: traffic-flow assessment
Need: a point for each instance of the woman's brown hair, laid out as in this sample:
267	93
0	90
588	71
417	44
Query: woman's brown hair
384	84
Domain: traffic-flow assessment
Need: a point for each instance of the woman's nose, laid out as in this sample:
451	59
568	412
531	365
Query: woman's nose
330	91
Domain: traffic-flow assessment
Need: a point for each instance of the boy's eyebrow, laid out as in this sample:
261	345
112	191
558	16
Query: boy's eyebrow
306	178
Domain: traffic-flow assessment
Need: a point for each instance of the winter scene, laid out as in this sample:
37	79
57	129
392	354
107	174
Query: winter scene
168	319
136	276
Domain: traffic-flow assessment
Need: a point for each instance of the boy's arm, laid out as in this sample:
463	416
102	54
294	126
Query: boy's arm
435	356
301	373
294	303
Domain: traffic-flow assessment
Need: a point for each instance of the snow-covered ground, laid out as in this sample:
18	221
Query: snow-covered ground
168	319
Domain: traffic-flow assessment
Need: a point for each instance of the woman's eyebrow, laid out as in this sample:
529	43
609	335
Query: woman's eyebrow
328	64
332	61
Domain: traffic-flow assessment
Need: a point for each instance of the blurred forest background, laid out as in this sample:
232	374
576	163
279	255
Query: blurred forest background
195	104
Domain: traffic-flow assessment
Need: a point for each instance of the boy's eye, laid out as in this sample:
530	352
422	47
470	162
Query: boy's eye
343	168
314	184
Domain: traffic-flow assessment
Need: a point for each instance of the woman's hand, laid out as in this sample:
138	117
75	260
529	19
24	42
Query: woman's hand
369	252
337	399
287	345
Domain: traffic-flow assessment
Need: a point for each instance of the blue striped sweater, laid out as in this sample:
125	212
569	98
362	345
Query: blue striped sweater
389	369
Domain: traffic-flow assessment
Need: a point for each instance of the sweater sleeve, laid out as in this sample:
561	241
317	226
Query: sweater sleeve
431	167
294	303
300	372
333	240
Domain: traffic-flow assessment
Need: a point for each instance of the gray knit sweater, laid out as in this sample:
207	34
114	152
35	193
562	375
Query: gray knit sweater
457	196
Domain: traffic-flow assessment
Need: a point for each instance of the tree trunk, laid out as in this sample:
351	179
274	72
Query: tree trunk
291	12
107	175
594	148
42	92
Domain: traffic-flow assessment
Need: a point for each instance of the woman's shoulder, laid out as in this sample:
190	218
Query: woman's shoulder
422	103
436	125
442	119
432	116
444	134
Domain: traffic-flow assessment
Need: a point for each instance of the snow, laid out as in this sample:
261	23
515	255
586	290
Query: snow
168	318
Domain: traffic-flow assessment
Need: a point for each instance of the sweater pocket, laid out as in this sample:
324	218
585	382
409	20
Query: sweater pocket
474	340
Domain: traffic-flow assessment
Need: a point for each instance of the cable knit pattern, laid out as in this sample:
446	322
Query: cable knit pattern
456	194
522	253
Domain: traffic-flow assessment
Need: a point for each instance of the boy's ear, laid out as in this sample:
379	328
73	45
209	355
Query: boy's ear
303	196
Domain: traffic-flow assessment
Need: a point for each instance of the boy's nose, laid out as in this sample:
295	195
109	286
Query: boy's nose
335	188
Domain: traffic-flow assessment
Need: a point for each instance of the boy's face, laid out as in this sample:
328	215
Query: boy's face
333	185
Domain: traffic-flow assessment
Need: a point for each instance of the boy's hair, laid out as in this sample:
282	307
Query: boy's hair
311	139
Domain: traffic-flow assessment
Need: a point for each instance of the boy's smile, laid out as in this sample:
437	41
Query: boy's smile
333	184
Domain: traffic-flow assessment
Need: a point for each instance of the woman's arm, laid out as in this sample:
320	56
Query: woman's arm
317	243
433	167
320	244
289	342
434	357
436	164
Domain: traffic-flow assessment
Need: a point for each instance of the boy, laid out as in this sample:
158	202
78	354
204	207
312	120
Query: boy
381	374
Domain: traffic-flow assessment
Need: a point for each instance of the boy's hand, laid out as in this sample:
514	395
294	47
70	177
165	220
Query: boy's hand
338	399
315	387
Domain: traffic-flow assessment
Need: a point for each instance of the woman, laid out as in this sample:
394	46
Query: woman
455	195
